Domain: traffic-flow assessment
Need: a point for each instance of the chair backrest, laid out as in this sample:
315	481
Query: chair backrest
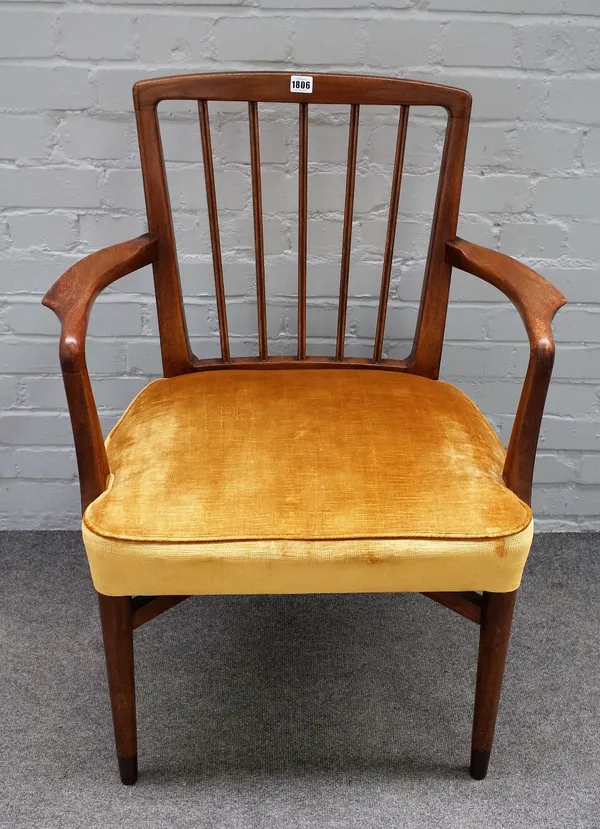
325	89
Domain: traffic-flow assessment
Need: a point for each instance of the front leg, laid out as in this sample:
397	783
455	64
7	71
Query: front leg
496	623
116	616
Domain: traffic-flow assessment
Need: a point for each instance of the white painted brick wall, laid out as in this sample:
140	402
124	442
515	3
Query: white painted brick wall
70	183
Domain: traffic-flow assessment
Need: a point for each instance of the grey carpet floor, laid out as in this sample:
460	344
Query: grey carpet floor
308	711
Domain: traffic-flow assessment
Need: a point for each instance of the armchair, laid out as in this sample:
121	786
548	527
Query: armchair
303	474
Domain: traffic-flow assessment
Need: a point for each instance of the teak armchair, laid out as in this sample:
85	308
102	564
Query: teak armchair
303	474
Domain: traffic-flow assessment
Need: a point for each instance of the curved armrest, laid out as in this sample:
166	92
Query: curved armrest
537	301
71	298
73	294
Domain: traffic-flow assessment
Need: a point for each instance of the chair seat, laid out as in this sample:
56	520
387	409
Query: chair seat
304	481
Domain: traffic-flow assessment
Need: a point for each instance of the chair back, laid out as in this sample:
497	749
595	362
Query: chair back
321	89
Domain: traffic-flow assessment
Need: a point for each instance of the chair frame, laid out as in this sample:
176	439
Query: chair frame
73	295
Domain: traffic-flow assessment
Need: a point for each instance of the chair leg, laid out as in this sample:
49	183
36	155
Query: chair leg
116	616
496	621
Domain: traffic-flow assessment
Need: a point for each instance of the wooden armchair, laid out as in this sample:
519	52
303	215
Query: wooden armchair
303	474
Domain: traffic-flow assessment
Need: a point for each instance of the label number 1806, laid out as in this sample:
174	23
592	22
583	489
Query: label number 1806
301	83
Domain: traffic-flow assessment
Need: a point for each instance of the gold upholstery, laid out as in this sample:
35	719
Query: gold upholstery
313	480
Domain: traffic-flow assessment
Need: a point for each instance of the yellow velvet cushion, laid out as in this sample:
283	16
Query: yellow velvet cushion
310	480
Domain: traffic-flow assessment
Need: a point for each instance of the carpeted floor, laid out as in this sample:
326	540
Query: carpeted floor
310	711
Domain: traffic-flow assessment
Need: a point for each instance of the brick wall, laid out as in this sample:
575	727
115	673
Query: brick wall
70	182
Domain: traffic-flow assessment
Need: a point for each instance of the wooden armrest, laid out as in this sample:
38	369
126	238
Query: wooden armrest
71	298
73	294
537	301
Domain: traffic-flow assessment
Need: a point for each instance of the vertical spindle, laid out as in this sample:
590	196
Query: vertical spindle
259	244
388	254
213	219
302	227
347	231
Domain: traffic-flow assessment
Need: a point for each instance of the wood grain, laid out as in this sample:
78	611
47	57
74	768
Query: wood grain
466	604
153	606
174	343
259	243
116	616
347	231
537	301
71	298
213	220
426	354
390	236
496	622
302	226
274	87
